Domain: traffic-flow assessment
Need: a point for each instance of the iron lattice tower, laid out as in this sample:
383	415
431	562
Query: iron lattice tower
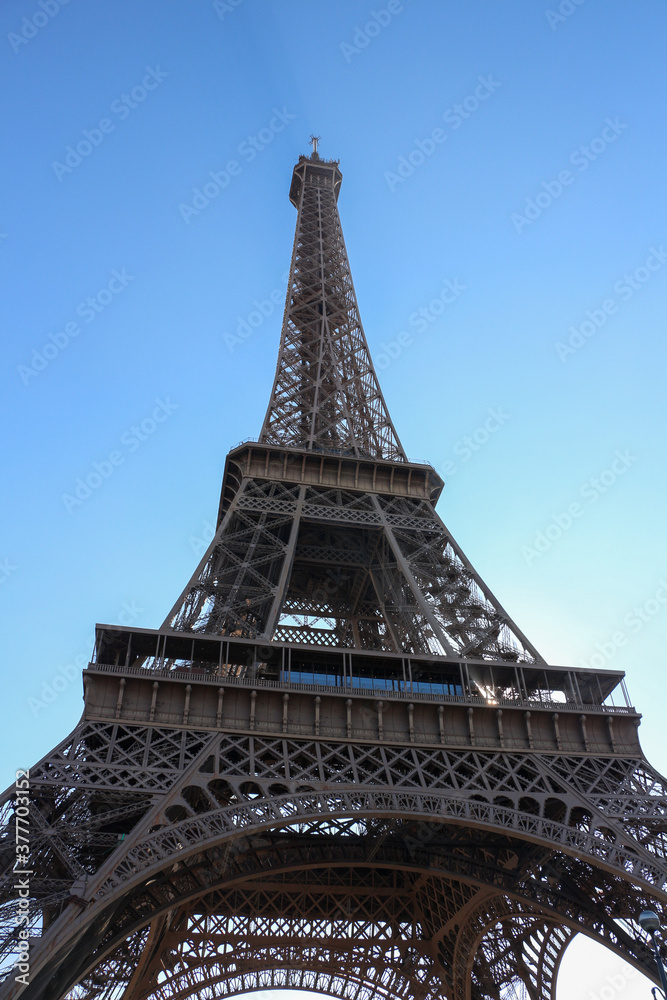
339	765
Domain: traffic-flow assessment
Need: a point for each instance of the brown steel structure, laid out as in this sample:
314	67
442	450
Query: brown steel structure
339	765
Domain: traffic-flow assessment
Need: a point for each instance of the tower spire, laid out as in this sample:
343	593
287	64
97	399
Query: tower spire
326	395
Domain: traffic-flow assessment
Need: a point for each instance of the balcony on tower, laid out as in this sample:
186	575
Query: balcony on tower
316	171
235	683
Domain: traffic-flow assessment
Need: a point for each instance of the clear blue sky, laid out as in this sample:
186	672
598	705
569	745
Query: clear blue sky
532	153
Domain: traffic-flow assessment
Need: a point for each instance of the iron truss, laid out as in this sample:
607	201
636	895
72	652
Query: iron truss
208	830
344	568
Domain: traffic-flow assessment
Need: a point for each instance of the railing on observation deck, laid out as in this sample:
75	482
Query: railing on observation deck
188	675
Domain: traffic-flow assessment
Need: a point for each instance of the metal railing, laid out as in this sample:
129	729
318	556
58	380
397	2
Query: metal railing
384	694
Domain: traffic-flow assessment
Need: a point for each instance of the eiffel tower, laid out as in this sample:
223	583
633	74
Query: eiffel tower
338	765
